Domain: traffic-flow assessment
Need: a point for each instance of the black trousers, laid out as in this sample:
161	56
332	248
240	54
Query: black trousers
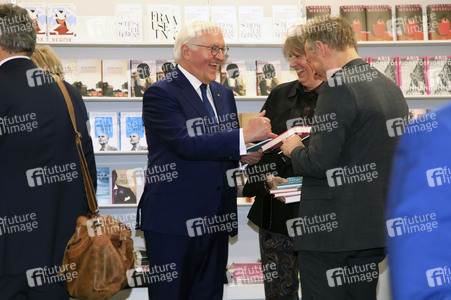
348	275
17	288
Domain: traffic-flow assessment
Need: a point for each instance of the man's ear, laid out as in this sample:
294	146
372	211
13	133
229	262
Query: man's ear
186	52
321	47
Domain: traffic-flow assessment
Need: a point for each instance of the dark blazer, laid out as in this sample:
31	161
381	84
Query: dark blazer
362	99
29	181
287	101
200	160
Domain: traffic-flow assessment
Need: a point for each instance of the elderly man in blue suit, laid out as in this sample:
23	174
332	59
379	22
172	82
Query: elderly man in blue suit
192	131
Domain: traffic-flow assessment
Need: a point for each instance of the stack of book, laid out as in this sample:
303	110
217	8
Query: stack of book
302	131
290	190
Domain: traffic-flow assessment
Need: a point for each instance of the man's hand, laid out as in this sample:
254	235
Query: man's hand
272	182
290	143
252	158
258	129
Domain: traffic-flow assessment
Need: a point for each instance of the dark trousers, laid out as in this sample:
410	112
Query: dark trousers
280	266
348	275
199	264
17	288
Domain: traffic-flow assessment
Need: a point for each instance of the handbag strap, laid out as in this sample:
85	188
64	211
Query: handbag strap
87	180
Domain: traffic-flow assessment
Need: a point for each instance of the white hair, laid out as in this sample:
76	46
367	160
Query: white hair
190	35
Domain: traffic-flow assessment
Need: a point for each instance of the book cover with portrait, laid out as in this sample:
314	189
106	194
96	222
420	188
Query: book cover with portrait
104	131
379	23
103	186
412	75
133	137
317	11
356	16
226	18
439	75
250	27
38	13
409	22
268	74
233	75
115	78
143	73
164	23
62	22
439	20
164	67
415	113
127	185
387	65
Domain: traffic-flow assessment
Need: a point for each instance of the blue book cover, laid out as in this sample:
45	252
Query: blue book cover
103	186
104	131
133	137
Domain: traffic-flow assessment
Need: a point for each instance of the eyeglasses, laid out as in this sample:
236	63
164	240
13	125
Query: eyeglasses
215	49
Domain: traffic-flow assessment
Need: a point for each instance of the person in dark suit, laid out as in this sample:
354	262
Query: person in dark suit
41	180
192	129
291	103
340	232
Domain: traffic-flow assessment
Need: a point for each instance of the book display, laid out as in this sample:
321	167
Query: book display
113	51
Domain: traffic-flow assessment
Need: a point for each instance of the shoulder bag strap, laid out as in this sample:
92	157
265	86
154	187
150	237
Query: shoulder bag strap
90	192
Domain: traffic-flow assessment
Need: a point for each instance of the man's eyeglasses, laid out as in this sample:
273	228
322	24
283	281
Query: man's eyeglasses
215	49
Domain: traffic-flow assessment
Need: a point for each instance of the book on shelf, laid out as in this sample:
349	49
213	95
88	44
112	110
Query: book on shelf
379	23
38	13
193	13
356	16
103	186
130	24
317	11
439	20
268	75
115	78
302	131
164	23
62	21
104	131
226	18
233	75
283	18
387	65
412	75
141	257
85	75
133	137
245	273
127	185
439	75
143	73
415	113
250	20
164	67
409	22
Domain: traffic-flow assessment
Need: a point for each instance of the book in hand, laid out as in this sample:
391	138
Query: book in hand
302	131
293	182
246	273
258	146
290	191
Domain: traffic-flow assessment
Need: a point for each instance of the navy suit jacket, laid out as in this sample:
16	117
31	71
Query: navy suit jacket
40	176
188	161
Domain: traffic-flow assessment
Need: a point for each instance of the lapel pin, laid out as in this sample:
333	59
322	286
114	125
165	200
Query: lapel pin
218	95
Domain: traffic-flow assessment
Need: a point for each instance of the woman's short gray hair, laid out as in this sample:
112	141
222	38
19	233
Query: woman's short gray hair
190	35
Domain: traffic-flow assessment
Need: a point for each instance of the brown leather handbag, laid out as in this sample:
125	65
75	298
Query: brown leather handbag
100	252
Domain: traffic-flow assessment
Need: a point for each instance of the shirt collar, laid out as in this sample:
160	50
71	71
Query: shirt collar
11	58
191	78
